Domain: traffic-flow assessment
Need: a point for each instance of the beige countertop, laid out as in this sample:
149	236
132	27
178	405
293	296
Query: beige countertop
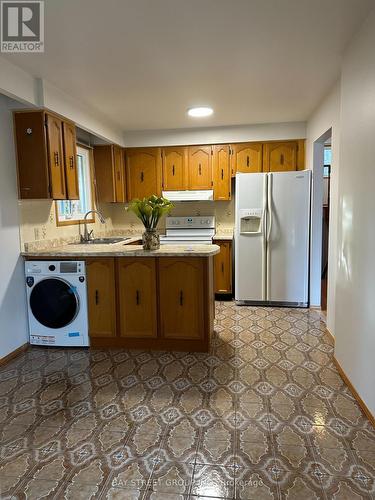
223	235
124	249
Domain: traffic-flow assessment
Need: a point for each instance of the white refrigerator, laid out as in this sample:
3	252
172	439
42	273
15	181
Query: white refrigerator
272	233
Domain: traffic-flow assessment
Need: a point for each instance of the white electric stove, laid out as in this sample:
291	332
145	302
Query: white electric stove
197	230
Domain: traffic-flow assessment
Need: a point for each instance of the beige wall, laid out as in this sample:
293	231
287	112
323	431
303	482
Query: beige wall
216	135
325	117
355	280
13	324
38	224
222	210
38	221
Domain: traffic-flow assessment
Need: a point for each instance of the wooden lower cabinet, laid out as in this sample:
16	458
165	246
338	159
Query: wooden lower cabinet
223	268
137	297
161	303
101	294
181	298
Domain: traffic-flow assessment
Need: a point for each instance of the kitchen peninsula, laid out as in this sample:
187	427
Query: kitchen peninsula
161	300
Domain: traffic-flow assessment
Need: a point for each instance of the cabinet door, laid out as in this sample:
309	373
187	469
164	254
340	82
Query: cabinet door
200	167
119	174
55	157
223	267
32	162
280	156
246	157
101	297
174	169
301	154
137	297
181	297
104	173
70	160
143	172
221	173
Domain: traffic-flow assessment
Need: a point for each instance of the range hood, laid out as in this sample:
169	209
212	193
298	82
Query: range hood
202	195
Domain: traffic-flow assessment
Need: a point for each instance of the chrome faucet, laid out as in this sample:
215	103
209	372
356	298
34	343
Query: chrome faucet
87	235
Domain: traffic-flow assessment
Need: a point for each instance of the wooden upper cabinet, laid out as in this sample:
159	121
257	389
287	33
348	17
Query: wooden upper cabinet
221	172
280	156
137	297
119	174
301	154
56	157
175	160
181	297
70	160
200	167
223	267
109	173
100	274
32	160
246	157
143	172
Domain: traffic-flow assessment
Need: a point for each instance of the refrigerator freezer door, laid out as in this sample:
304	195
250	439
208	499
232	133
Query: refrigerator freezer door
250	244
288	237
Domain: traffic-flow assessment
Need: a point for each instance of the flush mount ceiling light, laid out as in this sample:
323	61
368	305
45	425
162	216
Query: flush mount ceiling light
200	111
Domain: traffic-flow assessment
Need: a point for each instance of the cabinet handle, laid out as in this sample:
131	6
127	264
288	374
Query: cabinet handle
137	299
281	159
222	267
56	155
200	169
142	176
181	297
71	162
222	174
172	169
247	161
96	297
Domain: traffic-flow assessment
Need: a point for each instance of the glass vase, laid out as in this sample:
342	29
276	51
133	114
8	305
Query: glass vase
151	240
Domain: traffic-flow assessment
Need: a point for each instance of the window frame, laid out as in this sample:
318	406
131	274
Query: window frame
91	219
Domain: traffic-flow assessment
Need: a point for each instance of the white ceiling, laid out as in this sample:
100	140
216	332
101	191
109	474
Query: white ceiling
144	62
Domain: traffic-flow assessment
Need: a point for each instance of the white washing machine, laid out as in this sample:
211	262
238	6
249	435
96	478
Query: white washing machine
57	303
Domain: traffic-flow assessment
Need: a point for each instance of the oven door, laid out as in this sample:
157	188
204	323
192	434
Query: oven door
54	303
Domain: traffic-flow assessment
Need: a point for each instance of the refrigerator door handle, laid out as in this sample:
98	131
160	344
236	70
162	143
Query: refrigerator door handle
269	206
269	228
264	240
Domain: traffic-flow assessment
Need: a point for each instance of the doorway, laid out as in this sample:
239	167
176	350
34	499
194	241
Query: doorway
327	165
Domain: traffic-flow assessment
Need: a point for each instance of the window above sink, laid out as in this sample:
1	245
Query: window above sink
70	212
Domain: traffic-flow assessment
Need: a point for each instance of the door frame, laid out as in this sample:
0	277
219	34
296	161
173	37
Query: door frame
316	230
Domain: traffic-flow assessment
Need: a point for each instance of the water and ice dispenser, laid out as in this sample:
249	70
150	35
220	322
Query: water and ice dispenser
251	220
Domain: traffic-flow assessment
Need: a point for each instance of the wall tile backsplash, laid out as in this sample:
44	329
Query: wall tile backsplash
38	227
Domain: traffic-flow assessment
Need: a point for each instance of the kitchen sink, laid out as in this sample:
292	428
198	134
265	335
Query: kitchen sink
101	241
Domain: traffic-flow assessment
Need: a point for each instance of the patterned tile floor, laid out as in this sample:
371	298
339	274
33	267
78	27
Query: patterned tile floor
264	415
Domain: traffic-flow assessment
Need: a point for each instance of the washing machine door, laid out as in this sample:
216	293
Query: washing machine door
54	302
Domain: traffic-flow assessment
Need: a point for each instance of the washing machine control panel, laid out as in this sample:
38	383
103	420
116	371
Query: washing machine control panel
55	267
